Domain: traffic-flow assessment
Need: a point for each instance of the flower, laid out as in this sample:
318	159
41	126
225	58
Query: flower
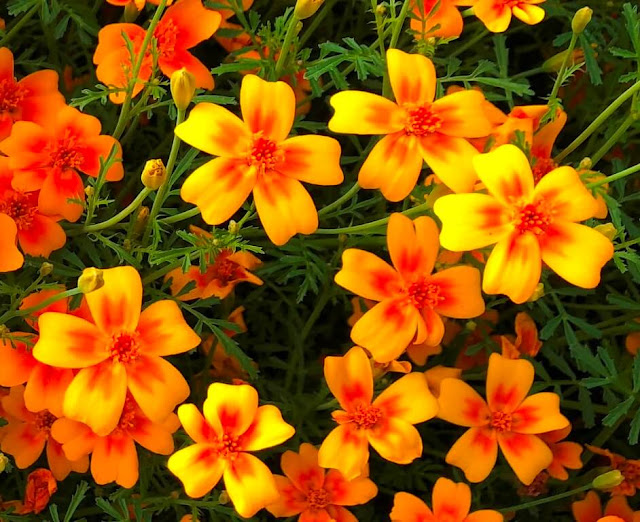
29	432
120	350
417	128
47	155
41	484
630	469
496	14
255	155
439	373
526	341
233	425
138	3
183	26
451	503
386	422
529	225
590	510
411	298
437	18
114	457
315	495
508	419
565	454
24	100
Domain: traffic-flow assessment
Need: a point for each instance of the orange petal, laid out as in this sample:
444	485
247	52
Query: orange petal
485	515
195	424
460	404
268	429
413	245
42	237
475	453
152	436
408	399
302	468
59	465
619	507
46	388
587	510
11	259
24	442
451	500
539	413
350	378
529	14
267	107
508	382
349	492
409	508
194	22
396	440
164	331
368	276
546	136
115	459
345	449
443	21
358	112
182	59
303	154
526	454
412	76
460	116
59	187
292	501
566	196
250	485
460	292
98	148
17	363
450	158
494	14
231	408
565	455
198	468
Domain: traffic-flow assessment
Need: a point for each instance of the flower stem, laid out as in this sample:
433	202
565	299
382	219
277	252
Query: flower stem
342	199
399	22
19	25
187	214
547	500
614	177
28	311
286	45
613	139
558	83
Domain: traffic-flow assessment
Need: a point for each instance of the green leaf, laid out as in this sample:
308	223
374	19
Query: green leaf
618	411
634	429
586	407
77	498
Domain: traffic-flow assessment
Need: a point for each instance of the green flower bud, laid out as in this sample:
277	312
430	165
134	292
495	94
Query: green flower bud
581	19
90	280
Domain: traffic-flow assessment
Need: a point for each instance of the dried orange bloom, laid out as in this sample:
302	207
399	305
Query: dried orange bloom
412	299
387	423
114	457
120	350
496	14
48	155
526	341
24	100
416	128
29	432
590	510
508	419
315	495
630	469
41	484
529	224
183	26
566	455
437	18
233	426
451	503
255	155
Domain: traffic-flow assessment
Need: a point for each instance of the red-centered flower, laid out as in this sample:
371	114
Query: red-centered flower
184	25
24	100
507	419
50	153
496	14
566	455
411	298
256	156
122	349
416	129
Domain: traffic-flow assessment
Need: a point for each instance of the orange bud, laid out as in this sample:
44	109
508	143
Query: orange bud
40	486
306	8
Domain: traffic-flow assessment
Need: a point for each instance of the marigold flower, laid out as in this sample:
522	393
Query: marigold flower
48	154
255	155
496	14
315	495
120	350
386	422
529	224
24	100
233	425
417	128
451	503
565	454
29	432
41	484
526	341
437	18
590	510
412	299
436	375
508	419
183	26
630	469
114	457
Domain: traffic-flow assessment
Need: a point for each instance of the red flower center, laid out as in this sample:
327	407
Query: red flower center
125	347
532	218
422	121
65	153
128	416
542	167
44	421
225	270
424	294
11	96
21	208
227	447
264	154
501	421
365	416
166	34
317	498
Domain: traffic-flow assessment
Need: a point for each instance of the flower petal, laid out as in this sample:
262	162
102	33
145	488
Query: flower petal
527	455
24	442
350	378
198	468
566	196
42	237
358	112
412	77
529	14
460	292
494	14
11	258
460	404
115	459
195	424
46	388
164	331
345	449
460	116
231	408
451	159
539	413
409	508
589	509
153	436
451	500
17	363
302	468
368	276
268	429
408	399
475	453
345	492
58	189
413	245
304	154
267	107
508	382
396	440
485	515
250	484
292	501
193	22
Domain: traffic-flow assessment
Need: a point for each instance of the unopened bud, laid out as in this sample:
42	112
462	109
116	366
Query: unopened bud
154	174
306	8
141	221
224	497
581	19
554	63
90	280
127	245
470	326
130	12
585	164
537	293
233	227
3	462
608	230
608	480
89	191
381	10
45	269
183	87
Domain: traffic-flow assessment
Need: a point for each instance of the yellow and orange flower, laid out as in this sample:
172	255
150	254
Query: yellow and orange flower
566	455
526	341
233	426
436	375
184	25
315	495
451	503
438	18
387	423
120	349
529	224
590	510
417	129
411	298
507	419
630	469
255	155
496	14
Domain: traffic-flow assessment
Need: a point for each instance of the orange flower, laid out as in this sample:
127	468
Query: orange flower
436	375
496	14
451	503
233	425
120	350
590	510
29	432
138	3
508	419
386	422
437	18
48	154
529	225
412	299
565	454
41	484
184	25
114	457
255	155
629	468
24	100
526	341
315	495
417	128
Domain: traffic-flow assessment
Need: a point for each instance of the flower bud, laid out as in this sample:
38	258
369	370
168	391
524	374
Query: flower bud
608	480
89	190
537	293
234	228
183	87
381	10
306	8
131	12
3	462
554	63
141	222
608	230
224	497
581	19
585	164
91	279
154	174
45	269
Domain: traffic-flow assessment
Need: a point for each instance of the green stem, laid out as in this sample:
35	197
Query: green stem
627	244
595	124
386	86
317	20
470	43
614	177
399	22
247	215
530	72
19	25
558	83
28	311
559	496
187	214
613	139
286	45
342	199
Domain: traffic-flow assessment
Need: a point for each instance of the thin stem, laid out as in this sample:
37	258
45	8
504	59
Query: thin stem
614	177
559	496
19	25
470	43
342	199
386	87
399	22
286	45
627	244
187	214
28	311
613	139
317	20
558	83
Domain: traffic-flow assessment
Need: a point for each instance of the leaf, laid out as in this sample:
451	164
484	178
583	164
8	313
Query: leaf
77	498
634	429
588	415
636	373
232	348
549	328
618	412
